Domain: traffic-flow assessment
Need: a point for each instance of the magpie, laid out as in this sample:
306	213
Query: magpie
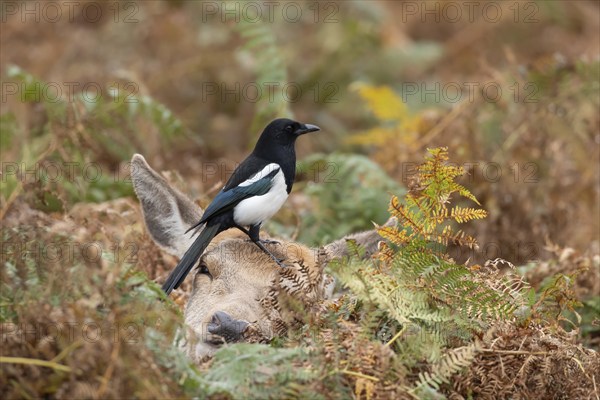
255	192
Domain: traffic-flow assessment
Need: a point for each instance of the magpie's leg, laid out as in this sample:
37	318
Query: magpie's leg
279	261
254	235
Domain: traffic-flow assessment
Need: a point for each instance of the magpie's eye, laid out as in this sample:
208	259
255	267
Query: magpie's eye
289	128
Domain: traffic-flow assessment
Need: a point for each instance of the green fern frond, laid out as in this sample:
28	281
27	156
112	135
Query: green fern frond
452	362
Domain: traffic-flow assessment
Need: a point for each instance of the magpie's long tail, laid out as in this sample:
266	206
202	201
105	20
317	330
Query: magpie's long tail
190	258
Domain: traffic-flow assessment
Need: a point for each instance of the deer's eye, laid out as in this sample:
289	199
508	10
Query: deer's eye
203	269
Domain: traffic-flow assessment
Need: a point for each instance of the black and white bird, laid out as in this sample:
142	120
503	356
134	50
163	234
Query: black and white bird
254	193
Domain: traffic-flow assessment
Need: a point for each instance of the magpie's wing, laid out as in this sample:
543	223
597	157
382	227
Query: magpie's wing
226	200
257	185
247	169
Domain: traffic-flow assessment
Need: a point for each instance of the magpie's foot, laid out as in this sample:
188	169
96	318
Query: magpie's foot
279	262
264	241
260	245
269	241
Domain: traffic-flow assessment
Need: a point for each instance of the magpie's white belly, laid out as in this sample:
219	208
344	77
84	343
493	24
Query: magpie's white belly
260	208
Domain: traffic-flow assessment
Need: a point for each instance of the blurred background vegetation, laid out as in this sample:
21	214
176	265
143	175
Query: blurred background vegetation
176	81
514	95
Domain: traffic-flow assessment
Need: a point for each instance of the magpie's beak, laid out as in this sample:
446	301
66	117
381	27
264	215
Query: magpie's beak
306	128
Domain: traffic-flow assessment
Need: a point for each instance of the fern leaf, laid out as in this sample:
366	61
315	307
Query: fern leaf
466	193
465	214
394	235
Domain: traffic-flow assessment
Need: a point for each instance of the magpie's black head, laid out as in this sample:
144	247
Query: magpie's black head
282	133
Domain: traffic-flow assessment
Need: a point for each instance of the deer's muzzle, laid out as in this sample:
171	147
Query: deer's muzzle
223	325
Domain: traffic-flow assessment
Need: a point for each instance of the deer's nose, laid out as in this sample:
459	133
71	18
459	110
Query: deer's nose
224	325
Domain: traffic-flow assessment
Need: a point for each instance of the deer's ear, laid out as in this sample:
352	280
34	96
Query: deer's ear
168	213
367	240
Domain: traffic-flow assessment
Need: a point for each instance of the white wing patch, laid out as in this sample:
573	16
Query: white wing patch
261	174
